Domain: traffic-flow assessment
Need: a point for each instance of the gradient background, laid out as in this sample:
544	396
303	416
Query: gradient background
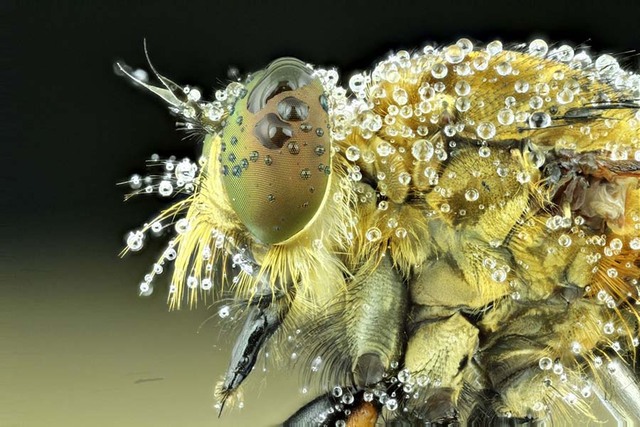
78	347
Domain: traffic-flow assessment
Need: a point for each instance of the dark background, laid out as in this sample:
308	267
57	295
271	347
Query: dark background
75	340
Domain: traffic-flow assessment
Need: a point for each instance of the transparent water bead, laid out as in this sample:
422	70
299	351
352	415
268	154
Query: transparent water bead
486	130
373	234
454	54
539	119
471	195
135	240
422	150
352	153
538	47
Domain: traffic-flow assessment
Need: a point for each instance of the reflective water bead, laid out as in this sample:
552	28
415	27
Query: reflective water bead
422	150
384	148
391	404
506	116
357	83
373	234
536	102
135	182
182	226
504	68
499	275
465	44
224	311
463	104
135	240
564	96
538	47
165	188
400	96
471	195
616	244
454	54
539	119
523	177
545	363
484	151
206	284
462	88
564	53
439	70
352	153
608	328
486	130
564	241
494	48
521	86
404	178
481	61
192	282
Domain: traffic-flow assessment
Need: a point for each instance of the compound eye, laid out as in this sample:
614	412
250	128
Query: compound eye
275	156
272	132
282	75
292	109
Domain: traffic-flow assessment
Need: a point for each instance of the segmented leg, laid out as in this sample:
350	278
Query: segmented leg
620	392
328	410
263	319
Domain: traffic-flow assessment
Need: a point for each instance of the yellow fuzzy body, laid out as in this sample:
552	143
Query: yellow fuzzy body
456	164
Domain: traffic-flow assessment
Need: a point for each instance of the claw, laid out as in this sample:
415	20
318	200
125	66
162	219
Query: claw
261	323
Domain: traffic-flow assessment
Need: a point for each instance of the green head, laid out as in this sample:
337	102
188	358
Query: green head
276	151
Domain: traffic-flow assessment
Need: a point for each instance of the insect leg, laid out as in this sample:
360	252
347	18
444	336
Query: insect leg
266	312
327	410
620	392
376	322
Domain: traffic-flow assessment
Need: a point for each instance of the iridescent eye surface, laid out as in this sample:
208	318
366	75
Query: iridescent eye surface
275	156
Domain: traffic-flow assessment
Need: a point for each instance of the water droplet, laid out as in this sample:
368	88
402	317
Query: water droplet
471	195
545	363
538	47
454	54
486	130
404	178
439	70
422	150
373	234
400	96
608	328
539	119
523	177
135	240
391	404
384	148
565	96
494	48
352	153
499	275
484	151
564	241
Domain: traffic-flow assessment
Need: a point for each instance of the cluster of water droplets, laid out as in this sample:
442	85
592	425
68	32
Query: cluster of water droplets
167	177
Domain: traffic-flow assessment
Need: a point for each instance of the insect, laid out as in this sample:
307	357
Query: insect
453	237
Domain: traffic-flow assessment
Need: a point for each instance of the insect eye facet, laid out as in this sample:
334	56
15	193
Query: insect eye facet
274	174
